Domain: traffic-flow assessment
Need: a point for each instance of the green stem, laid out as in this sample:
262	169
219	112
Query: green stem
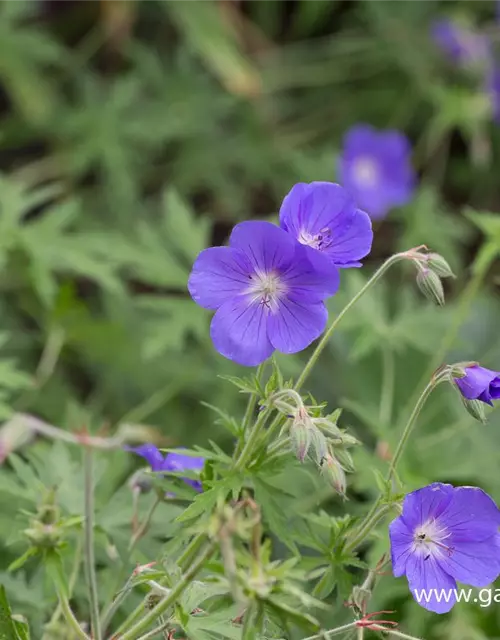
247	418
367	527
129	621
482	263
394	633
324	635
89	560
372	514
70	617
183	562
144	526
171	598
71	585
192	548
326	336
156	631
387	395
409	426
249	444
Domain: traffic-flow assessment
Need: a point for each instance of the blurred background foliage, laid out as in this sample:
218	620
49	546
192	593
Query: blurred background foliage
134	134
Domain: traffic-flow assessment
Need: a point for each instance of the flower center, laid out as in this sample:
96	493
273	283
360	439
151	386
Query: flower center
366	172
320	241
267	289
428	539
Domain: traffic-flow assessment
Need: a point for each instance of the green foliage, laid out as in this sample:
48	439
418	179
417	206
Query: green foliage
132	136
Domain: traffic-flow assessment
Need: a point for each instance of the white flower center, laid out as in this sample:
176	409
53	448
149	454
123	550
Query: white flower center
366	172
320	241
267	289
429	540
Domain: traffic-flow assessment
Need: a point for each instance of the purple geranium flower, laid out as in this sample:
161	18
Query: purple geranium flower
462	45
445	534
267	290
480	384
322	215
375	166
173	461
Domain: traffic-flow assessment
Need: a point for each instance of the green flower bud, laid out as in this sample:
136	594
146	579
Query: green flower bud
334	474
43	536
476	409
438	264
301	438
345	459
430	285
319	444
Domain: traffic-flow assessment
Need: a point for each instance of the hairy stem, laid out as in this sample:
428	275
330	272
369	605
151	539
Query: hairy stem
183	562
407	431
144	526
482	264
325	635
326	336
171	598
366	527
88	536
70	617
247	451
71	585
247	418
387	395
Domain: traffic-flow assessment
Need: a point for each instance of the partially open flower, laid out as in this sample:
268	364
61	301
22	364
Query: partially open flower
479	383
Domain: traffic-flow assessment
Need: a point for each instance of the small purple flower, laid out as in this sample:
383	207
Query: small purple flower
445	534
462	45
173	461
375	167
480	384
267	290
322	215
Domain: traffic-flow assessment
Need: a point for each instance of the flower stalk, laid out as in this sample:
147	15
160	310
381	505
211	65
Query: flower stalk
135	632
89	559
328	333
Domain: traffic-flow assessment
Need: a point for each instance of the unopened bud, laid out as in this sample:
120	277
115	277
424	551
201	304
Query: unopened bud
439	265
334	473
476	409
44	536
140	481
345	459
319	444
301	439
430	285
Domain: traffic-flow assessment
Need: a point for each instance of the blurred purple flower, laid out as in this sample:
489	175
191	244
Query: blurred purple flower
173	461
463	46
322	215
375	167
445	534
493	90
480	384
267	290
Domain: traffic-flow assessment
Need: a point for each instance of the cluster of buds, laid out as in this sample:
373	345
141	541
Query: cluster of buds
317	436
44	531
431	268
